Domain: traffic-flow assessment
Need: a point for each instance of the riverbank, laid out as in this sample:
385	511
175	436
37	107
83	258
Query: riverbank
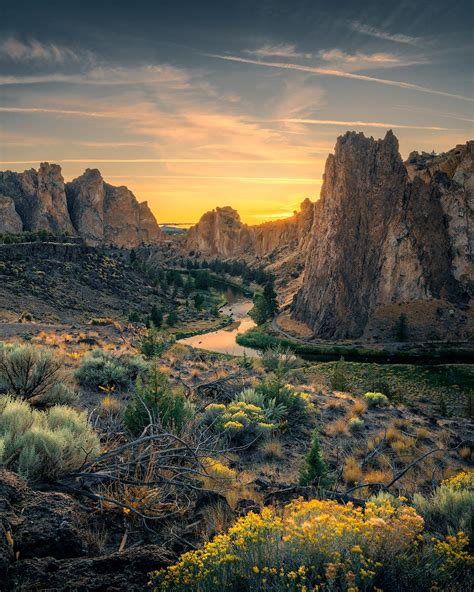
263	337
224	340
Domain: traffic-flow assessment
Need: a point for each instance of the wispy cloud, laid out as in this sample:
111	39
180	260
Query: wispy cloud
362	61
340	74
110	76
387	36
376	124
282	50
70	112
160	160
238	179
33	50
456	116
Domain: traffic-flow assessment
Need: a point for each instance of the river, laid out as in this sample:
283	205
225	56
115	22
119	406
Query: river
223	340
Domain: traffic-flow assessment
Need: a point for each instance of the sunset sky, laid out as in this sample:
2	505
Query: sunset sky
196	104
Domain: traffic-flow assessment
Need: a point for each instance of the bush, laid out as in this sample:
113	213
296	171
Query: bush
152	344
315	545
239	421
450	508
34	374
340	377
274	411
279	359
314	468
103	369
295	403
44	444
356	425
155	403
376	399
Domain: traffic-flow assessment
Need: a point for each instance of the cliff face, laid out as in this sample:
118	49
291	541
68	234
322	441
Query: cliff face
222	233
39	198
10	221
87	206
386	234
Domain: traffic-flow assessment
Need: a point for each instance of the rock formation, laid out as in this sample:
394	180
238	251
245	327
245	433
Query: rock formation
279	245
387	234
39	198
10	221
221	233
87	207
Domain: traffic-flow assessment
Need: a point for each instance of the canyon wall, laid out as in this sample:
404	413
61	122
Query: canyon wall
386	237
221	233
86	207
388	233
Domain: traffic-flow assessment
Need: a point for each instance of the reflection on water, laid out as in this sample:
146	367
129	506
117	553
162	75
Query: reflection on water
223	340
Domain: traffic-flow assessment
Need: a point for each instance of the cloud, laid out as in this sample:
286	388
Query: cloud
71	112
107	76
282	50
381	34
337	55
33	50
366	124
362	61
340	74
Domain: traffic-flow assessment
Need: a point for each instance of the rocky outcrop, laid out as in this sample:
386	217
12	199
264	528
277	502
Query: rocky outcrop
221	233
87	207
48	542
85	198
39	198
386	234
10	221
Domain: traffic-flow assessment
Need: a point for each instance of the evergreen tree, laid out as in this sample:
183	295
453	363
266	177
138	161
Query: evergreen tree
314	468
270	297
401	327
172	319
259	310
156	316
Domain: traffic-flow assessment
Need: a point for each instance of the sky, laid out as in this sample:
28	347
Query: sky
196	104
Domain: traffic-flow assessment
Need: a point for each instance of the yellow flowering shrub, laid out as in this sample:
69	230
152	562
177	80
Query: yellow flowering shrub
239	420
462	481
315	545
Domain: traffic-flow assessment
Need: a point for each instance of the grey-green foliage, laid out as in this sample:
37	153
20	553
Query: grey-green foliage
448	510
34	374
274	411
44	444
101	368
279	359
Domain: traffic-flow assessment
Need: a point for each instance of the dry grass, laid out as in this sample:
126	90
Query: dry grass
400	422
352	473
359	407
195	373
378	476
216	519
422	433
336	405
338	428
272	450
109	405
465	452
393	434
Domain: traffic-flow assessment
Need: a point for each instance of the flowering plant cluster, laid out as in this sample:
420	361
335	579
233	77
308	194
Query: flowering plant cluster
321	546
239	421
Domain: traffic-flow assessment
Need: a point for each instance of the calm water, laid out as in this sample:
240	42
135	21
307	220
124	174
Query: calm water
223	340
